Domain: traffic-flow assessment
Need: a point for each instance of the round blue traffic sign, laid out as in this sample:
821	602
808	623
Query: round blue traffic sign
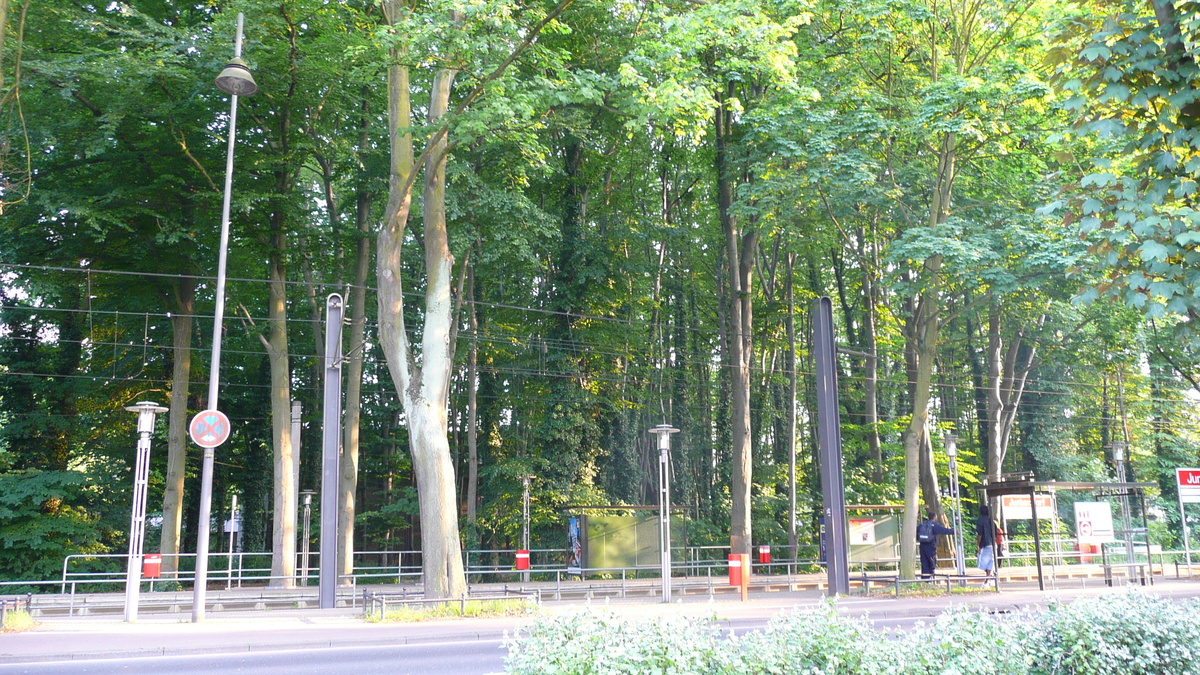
209	428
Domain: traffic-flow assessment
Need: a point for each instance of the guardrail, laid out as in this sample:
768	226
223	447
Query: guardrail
239	569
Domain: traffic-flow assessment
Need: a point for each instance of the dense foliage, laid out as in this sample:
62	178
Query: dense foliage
641	205
1127	633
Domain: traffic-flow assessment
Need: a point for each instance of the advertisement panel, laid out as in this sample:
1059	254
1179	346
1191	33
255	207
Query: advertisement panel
1016	507
1093	522
862	531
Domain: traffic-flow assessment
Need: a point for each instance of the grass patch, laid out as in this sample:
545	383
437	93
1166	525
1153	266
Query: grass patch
17	621
453	609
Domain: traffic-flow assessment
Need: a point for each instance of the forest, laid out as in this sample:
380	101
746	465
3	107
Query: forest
559	223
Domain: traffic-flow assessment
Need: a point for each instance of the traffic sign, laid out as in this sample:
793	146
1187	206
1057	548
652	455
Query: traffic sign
209	428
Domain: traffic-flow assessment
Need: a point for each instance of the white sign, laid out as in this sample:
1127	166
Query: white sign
1093	522
1016	507
862	531
1188	481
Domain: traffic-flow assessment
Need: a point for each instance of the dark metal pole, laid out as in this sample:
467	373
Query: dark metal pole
331	438
1037	537
829	435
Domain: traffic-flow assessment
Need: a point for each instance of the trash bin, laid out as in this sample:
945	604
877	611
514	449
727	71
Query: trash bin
522	560
152	566
735	569
764	555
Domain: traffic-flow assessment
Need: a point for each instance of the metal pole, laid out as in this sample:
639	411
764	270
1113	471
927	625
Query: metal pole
296	414
206	471
331	435
233	525
1187	547
525	521
664	431
959	558
829	436
137	520
1118	450
1037	538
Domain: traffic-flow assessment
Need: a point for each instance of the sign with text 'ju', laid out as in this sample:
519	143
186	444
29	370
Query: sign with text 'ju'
1189	485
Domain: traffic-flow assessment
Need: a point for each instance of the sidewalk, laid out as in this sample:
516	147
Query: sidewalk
224	632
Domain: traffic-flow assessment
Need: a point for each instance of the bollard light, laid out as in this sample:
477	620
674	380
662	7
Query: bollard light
664	431
146	411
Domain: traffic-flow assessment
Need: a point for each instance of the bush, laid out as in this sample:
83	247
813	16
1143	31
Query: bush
813	641
1130	633
600	643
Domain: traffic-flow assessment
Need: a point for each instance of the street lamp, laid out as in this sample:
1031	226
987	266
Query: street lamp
304	543
951	443
1118	454
234	80
146	411
664	431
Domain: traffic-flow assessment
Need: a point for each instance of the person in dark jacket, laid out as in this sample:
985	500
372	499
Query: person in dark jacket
927	534
985	533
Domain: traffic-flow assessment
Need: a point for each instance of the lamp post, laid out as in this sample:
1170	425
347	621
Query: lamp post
1118	453
664	431
525	521
236	81
146	411
304	542
951	442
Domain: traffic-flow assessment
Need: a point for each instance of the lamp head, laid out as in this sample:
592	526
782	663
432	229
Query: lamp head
236	79
951	442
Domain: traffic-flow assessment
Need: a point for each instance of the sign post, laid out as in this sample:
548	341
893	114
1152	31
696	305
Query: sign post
1188	481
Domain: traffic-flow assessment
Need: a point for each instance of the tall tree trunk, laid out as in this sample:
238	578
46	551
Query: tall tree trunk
1008	371
348	475
423	387
177	433
740	249
283	549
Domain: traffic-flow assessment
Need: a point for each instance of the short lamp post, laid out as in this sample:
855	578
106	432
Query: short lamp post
304	541
146	411
951	442
664	431
235	79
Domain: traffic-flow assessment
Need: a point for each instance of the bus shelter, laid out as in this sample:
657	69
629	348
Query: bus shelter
1027	485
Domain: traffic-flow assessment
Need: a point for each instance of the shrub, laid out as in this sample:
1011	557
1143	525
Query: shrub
1128	634
963	642
1133	634
596	643
813	641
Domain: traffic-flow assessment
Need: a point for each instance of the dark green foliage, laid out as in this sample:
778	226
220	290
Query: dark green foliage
42	520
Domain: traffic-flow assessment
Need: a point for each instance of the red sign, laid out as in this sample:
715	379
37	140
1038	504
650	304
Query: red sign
209	428
1188	481
1188	477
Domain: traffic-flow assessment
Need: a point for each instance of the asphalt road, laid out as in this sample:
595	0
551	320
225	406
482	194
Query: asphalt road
475	657
451	657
